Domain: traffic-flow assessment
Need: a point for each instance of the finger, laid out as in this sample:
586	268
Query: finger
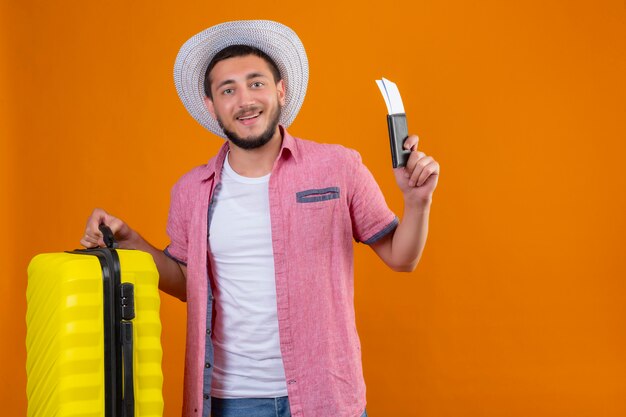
114	224
419	167
91	235
414	159
427	172
411	142
97	216
89	241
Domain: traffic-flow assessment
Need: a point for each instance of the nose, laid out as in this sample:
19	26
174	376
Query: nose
246	98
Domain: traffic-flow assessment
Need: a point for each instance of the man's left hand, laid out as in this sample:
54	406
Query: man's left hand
418	179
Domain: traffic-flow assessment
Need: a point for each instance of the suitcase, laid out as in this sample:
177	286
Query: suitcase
93	337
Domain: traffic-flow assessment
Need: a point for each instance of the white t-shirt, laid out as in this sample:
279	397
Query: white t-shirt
248	362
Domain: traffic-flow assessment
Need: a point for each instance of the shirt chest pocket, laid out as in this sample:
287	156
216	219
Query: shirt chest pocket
317	198
317	220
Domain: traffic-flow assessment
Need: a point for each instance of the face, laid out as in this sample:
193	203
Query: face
246	100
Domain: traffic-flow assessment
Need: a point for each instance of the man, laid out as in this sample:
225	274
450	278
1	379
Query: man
261	236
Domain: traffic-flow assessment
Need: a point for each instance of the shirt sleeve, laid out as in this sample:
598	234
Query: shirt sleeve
371	218
177	226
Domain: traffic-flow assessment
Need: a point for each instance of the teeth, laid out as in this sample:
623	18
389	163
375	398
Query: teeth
248	117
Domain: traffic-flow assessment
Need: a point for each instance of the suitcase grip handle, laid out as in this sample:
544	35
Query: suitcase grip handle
108	236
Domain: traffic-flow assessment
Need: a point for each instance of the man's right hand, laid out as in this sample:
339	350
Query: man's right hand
93	236
172	275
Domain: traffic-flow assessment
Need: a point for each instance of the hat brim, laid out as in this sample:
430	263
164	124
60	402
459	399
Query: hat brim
275	39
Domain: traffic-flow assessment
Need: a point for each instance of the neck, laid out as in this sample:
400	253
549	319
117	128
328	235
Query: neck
257	162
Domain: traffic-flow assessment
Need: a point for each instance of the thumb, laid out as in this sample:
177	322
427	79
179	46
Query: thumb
411	142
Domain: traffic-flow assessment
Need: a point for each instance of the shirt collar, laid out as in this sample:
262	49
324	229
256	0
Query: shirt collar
288	147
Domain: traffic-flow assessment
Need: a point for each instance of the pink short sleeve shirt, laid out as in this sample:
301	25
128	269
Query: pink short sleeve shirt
322	198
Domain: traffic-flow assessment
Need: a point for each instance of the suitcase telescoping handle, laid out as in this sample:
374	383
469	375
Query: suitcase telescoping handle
119	311
127	305
108	236
127	354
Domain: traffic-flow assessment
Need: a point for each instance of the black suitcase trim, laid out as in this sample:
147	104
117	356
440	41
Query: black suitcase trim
118	334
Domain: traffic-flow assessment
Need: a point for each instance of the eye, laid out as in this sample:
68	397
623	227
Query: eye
257	84
228	91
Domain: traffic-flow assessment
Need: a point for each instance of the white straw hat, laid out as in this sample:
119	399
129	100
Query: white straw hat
277	40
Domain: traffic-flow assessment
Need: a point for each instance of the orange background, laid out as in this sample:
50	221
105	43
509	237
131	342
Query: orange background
518	305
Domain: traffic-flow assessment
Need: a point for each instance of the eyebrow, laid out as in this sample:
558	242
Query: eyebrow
248	77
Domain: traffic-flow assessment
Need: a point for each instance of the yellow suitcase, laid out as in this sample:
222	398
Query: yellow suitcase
93	335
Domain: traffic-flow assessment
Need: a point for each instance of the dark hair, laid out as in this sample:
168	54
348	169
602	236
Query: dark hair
237	51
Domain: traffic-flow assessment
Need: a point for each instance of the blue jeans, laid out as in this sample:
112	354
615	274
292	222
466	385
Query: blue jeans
252	407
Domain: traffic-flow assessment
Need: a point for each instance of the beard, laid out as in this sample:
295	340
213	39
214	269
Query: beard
253	142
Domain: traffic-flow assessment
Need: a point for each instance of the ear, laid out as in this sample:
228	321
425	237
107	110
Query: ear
280	88
209	106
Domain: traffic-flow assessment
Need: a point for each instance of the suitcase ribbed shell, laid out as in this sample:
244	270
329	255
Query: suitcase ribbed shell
65	340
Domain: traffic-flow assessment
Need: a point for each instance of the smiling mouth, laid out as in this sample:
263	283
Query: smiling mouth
249	117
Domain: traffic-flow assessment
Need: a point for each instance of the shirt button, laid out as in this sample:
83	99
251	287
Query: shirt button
291	381
208	331
207	365
206	396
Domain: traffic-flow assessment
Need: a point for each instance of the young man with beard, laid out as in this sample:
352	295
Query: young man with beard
261	236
